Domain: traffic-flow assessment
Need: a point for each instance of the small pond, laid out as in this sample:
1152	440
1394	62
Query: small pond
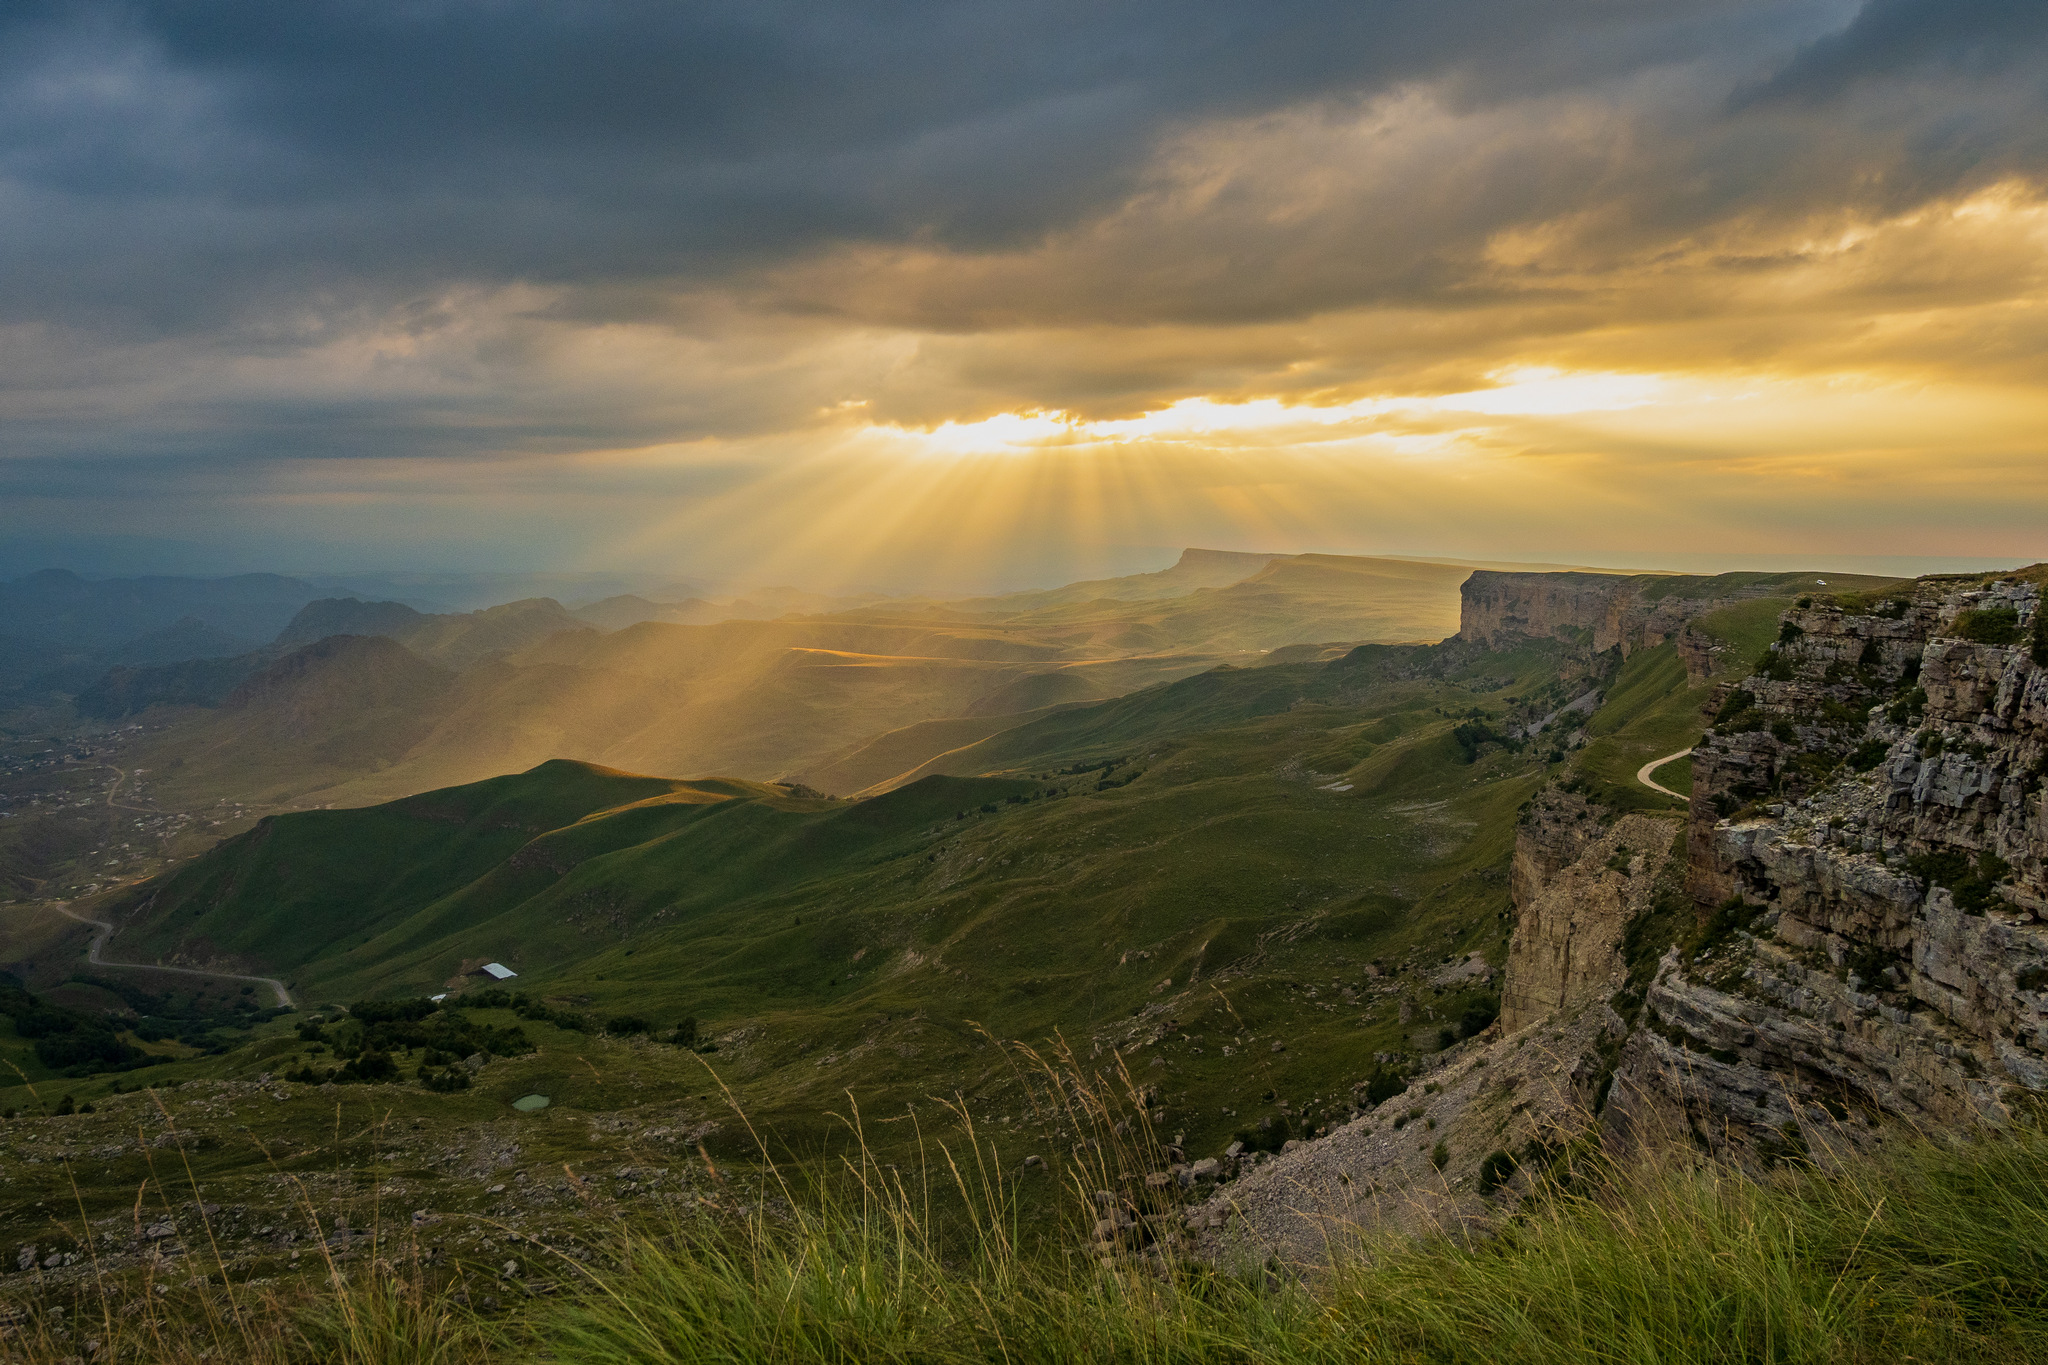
528	1103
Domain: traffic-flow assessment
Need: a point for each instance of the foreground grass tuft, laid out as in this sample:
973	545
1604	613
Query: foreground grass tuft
1930	1252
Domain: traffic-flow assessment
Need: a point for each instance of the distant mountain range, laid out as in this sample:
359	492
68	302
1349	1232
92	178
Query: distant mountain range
352	701
355	701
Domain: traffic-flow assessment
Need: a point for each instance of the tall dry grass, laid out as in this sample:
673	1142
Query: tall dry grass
191	1308
1931	1251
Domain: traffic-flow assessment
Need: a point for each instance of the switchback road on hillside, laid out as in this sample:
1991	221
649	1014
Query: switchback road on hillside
1643	773
92	955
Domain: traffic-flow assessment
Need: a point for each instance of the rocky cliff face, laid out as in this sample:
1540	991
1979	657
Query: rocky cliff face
1578	883
1458	1147
1601	611
1850	938
1866	850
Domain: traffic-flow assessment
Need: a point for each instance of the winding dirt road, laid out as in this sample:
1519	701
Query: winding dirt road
120	776
92	955
1643	773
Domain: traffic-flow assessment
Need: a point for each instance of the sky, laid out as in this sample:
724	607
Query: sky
991	293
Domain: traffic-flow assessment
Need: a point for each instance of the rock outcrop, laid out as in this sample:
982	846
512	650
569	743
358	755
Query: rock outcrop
1455	1151
1849	940
1571	921
1456	1148
1866	850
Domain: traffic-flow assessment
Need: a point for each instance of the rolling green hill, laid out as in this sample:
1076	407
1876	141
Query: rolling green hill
1219	858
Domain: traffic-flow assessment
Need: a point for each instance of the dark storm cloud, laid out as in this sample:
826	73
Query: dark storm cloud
174	163
1892	40
253	230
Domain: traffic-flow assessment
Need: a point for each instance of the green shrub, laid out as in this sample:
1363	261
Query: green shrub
1775	664
1730	917
1440	1155
371	1068
1382	1085
1972	885
1495	1171
1869	754
1269	1135
445	1081
1988	626
392	1011
1742	722
1479	1017
1867	962
1472	736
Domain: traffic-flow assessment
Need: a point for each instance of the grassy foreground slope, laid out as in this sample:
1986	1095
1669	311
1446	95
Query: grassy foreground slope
1927	1252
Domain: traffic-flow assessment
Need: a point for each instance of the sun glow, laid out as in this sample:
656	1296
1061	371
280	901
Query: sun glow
1525	391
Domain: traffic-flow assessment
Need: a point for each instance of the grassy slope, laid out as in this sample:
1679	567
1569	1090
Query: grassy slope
340	707
1785	584
1222	888
1293	600
754	697
1926	1253
302	885
880	761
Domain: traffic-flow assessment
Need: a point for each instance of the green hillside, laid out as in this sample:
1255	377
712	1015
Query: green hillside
302	885
1251	883
1203	870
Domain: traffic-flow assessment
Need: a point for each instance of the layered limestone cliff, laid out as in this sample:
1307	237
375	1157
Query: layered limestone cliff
1601	611
1866	850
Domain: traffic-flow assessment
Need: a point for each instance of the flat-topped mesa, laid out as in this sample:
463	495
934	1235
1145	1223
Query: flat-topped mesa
1609	611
